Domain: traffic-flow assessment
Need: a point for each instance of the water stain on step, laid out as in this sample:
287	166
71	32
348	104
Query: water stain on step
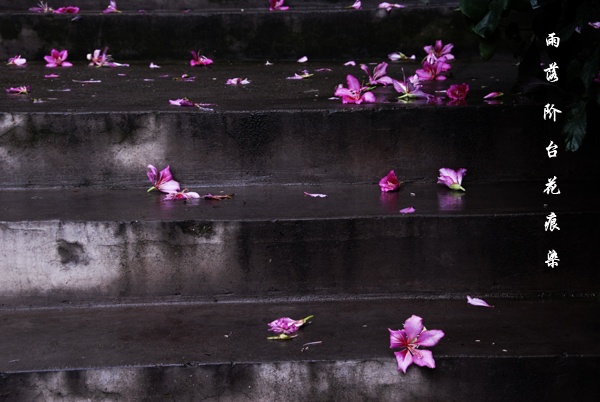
71	252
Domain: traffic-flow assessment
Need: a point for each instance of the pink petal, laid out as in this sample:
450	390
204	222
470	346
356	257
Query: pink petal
477	302
369	97
423	357
303	59
492	95
169	186
404	359
430	337
350	63
66	64
397	339
451	173
408	210
413	327
316	195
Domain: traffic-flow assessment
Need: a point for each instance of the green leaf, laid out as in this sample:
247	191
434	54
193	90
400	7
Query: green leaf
575	126
488	24
474	9
590	69
487	46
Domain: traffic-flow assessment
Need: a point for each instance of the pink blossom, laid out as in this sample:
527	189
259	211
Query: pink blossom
388	6
112	8
277	5
180	195
477	302
162	181
198	60
433	71
17	61
458	91
354	93
595	25
389	182
102	59
286	326
66	10
57	58
410	88
315	195
438	52
237	81
408	210
411	338
400	56
43	8
452	178
19	90
357	5
379	74
493	95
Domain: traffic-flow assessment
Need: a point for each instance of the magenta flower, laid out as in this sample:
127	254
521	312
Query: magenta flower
57	58
433	71
410	88
408	210
43	8
199	60
379	74
477	302
180	195
286	326
277	5
458	91
16	61
493	95
66	10
438	52
237	81
19	90
112	8
389	182
354	93
451	178
411	338
162	181
388	6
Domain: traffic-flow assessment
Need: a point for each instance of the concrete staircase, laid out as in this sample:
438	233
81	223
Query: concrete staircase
109	293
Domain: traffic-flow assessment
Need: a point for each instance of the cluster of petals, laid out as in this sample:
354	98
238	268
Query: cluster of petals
112	8
452	178
379	76
277	5
101	59
162	181
388	6
410	339
354	93
438	52
389	182
18	90
17	61
184	194
56	59
238	81
199	60
431	72
286	325
410	88
458	91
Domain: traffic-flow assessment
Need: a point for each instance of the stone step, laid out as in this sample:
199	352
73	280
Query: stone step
273	130
520	350
71	245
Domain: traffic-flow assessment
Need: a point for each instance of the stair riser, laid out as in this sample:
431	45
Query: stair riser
54	261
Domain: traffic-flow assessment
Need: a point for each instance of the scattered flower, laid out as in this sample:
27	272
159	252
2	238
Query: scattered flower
286	326
451	178
354	93
595	25
42	8
268	64
433	71
410	88
152	65
477	302
112	8
19	90
400	56
51	76
237	81
350	63
180	195
305	74
493	95
218	197
438	52
379	74
389	182
303	59
277	5
411	337
316	195
357	5
57	58
408	210
199	60
103	60
162	181
66	10
388	6
17	61
458	91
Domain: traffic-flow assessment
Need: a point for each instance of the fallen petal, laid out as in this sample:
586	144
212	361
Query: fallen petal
316	195
350	63
477	302
303	59
408	210
492	95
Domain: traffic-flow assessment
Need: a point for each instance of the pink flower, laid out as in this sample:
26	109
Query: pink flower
19	90
357	5
354	93
438	52
277	5
433	71
411	338
408	210
112	8
316	195
595	25
458	91
388	6
43	8
410	89
66	10
199	60
237	81
477	302
451	178
103	60
57	58
180	195
389	182
379	74
16	61
493	95
286	326
162	181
